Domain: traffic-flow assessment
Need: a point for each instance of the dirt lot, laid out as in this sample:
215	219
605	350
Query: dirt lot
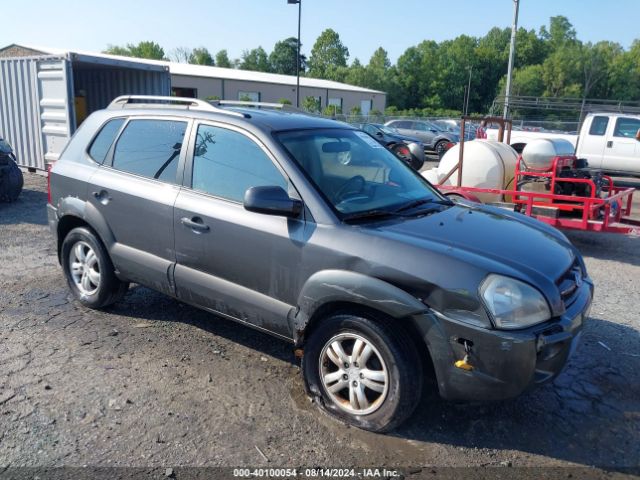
154	383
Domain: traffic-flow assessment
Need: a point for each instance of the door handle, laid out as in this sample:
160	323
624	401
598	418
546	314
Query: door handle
609	144
194	223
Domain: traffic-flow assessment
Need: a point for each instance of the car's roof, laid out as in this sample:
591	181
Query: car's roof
614	114
263	119
286	120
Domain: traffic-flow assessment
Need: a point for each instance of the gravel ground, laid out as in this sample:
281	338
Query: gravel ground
154	383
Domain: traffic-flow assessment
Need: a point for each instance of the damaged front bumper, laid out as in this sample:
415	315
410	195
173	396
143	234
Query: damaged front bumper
504	363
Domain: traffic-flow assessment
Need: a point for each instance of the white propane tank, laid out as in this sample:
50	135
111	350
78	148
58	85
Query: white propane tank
487	164
538	154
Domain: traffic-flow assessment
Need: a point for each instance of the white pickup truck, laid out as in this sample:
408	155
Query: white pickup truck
609	141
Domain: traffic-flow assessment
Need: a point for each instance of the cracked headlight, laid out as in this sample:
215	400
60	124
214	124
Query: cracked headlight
512	303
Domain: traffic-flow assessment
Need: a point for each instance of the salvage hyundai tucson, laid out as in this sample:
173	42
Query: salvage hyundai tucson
373	275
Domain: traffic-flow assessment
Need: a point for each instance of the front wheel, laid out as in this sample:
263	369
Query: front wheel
89	271
363	370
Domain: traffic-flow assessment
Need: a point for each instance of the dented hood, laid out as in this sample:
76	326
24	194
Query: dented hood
514	240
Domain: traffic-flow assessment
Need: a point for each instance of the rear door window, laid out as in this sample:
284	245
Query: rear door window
626	127
102	143
150	148
599	126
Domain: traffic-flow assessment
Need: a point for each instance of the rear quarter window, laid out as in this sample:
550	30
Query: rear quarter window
104	139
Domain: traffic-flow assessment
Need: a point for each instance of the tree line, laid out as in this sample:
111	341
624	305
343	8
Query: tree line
430	78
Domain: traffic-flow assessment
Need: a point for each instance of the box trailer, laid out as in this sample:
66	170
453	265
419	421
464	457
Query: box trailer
43	99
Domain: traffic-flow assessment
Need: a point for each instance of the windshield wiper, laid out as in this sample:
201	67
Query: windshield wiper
422	201
368	214
379	213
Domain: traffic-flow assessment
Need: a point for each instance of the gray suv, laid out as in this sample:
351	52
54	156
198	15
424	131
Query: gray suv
374	276
433	137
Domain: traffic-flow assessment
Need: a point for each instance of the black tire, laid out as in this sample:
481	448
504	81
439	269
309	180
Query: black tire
403	152
416	163
454	196
399	354
400	150
11	182
439	148
110	288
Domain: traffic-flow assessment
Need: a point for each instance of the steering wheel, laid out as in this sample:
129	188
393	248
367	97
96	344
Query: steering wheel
353	185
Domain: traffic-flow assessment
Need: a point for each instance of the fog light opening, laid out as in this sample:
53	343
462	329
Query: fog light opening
464	363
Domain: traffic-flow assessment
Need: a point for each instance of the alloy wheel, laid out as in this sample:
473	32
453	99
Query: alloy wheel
353	374
84	268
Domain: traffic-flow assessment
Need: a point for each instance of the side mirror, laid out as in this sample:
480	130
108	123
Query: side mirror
433	130
379	134
271	200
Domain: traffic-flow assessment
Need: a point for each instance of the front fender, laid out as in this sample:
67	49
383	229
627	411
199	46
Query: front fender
332	286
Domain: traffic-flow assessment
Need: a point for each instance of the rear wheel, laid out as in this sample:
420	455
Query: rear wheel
441	148
363	370
89	271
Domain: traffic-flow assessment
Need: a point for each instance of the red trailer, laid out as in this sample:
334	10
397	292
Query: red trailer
603	208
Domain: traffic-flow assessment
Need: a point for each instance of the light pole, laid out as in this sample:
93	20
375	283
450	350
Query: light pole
512	53
299	2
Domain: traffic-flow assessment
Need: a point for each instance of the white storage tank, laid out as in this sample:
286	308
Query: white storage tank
487	164
538	154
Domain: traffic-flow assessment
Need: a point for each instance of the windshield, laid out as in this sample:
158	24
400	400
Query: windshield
355	173
389	130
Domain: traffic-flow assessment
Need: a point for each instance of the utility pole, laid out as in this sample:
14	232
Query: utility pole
299	2
512	54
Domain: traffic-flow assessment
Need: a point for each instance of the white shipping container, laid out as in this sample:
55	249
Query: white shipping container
38	96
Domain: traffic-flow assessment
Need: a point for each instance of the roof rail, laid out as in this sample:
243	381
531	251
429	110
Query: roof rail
243	103
160	101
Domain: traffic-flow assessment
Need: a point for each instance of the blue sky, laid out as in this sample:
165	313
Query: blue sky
236	25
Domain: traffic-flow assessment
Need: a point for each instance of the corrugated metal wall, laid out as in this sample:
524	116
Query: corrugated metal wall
37	99
19	110
101	85
57	119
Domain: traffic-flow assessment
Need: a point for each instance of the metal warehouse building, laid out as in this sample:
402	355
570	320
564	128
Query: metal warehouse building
46	93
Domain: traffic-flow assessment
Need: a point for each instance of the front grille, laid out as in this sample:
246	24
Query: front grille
569	283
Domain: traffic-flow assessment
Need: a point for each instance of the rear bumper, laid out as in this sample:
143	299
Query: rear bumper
52	218
505	363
